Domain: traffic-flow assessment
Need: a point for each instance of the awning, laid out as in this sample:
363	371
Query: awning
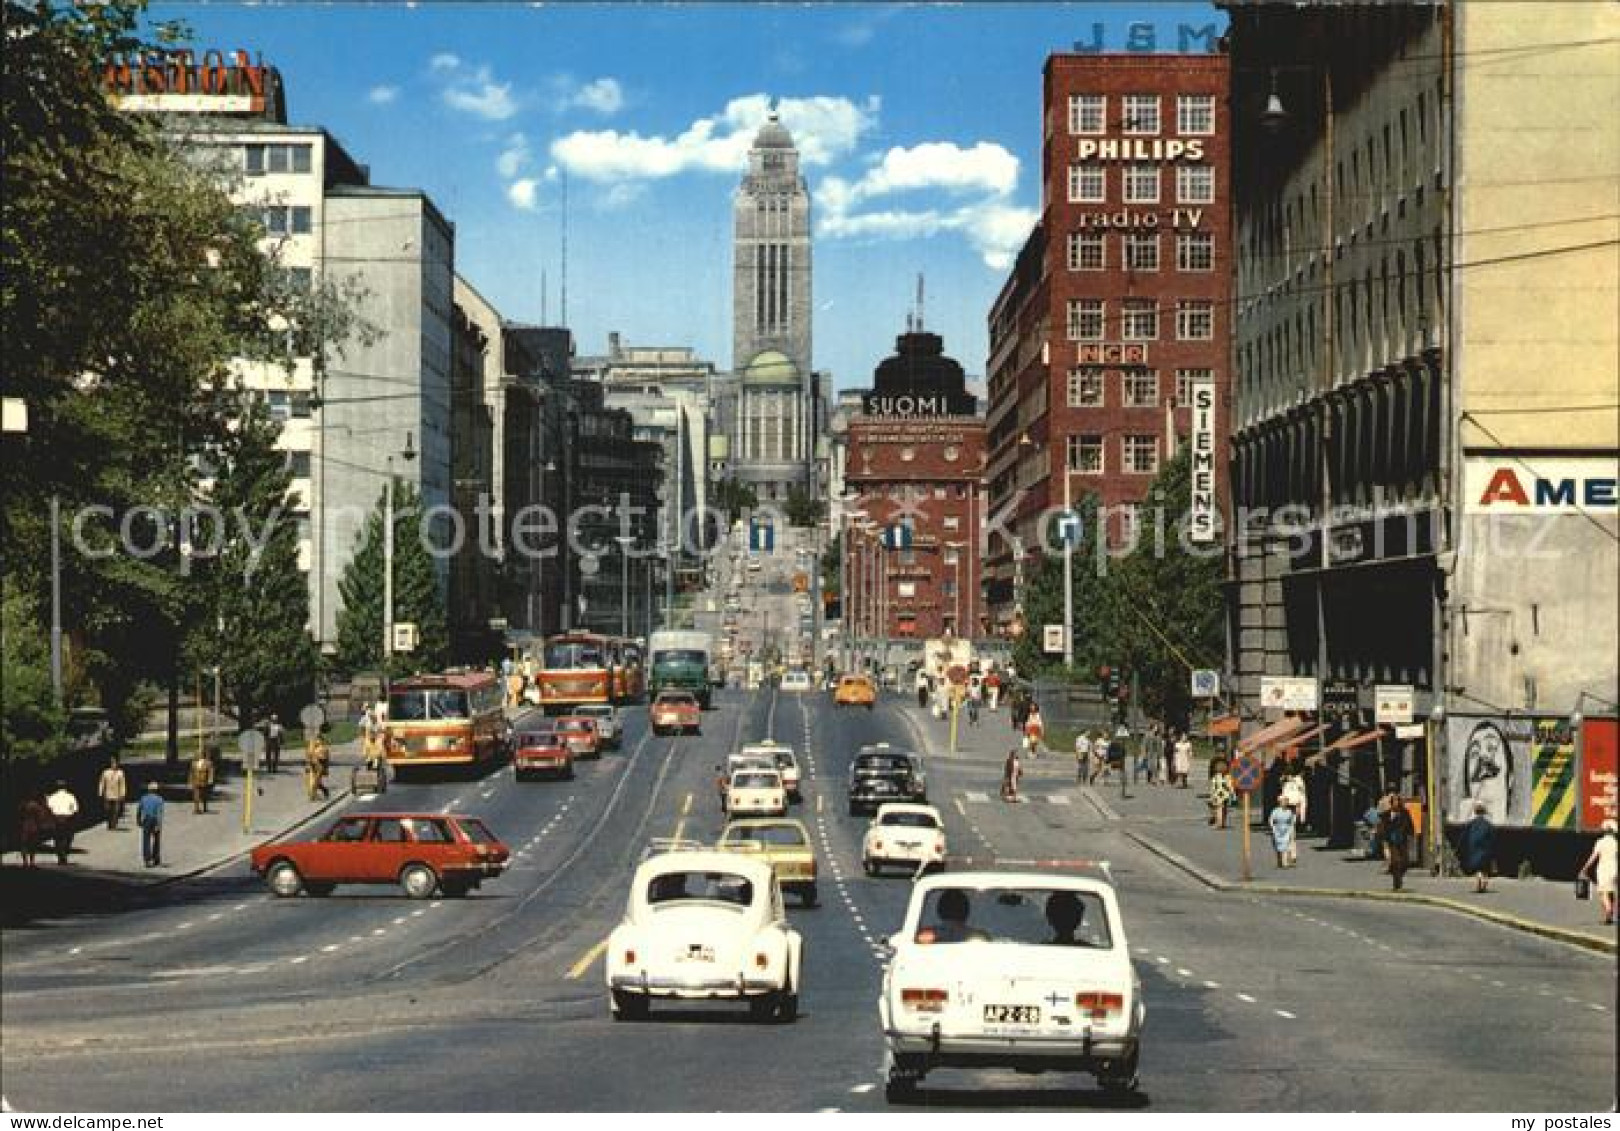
1302	739
1226	724
1273	733
1350	742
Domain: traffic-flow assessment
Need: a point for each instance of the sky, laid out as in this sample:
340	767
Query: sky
918	126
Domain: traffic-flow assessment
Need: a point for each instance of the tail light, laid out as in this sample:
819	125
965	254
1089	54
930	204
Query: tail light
924	1001
761	961
1098	1006
629	958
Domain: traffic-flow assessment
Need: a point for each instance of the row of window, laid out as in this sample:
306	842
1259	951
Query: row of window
1138	455
1140	114
1088	183
257	160
1139	320
284	219
1139	251
288	406
1139	388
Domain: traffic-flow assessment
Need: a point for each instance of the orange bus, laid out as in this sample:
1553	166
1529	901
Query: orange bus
629	672
453	719
575	668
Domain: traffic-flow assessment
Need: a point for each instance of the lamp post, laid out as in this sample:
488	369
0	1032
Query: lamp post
956	567
388	559
625	541
1437	718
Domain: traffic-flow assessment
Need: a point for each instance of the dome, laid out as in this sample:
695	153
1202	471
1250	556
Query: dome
773	135
770	368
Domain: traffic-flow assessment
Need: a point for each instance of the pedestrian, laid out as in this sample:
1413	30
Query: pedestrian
273	734
992	687
973	707
112	788
1082	758
1284	825
149	816
1019	712
1604	866
1477	848
1181	759
922	687
1145	747
1221	796
317	760
1116	755
368	729
1293	792
35	825
1398	832
64	809
1034	731
201	779
1011	771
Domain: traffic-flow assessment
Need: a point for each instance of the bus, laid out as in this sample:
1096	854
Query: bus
449	720
575	668
630	676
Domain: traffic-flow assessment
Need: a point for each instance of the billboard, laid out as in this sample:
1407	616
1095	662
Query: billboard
1597	773
1529	772
1553	789
1488	761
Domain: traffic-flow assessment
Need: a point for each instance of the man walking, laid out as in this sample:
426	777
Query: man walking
64	809
149	816
201	780
1478	848
317	760
1082	758
112	788
1398	832
272	744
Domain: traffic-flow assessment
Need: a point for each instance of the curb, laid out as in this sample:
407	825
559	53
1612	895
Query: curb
330	804
1563	935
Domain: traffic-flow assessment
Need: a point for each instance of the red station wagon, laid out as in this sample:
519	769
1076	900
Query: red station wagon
541	749
580	732
421	852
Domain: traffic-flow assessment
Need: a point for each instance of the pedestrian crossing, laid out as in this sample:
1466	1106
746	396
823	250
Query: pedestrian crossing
981	797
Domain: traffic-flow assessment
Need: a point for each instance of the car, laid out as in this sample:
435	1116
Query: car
855	691
580	733
704	926
422	852
89	730
797	680
878	775
676	712
1021	970
609	727
910	836
756	792
540	748
787	764
919	778
786	844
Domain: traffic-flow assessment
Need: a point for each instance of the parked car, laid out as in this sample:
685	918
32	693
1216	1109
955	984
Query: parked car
855	691
676	712
609	727
580	733
540	748
422	852
1027	971
910	836
704	926
785	844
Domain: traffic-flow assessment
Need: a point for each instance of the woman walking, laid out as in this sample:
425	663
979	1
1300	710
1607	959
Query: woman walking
1283	823
1221	794
1604	865
1477	849
1011	771
1398	831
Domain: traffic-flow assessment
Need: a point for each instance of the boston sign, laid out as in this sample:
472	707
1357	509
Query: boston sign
179	80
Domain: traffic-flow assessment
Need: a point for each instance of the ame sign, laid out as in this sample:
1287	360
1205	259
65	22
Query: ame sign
1552	486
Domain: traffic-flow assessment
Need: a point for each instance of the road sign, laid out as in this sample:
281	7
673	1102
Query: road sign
588	565
405	637
1288	693
1246	773
1206	683
1392	703
1052	639
1070	528
312	717
251	744
761	537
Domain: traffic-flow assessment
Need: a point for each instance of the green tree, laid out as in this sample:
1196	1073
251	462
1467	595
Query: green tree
803	508
734	498
417	598
30	720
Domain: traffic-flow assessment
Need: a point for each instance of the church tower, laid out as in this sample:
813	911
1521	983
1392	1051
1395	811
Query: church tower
774	433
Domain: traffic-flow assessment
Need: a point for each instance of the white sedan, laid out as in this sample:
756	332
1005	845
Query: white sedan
1027	971
908	836
705	926
756	793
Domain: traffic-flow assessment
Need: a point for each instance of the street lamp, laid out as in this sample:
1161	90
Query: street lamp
407	455
625	541
537	599
956	565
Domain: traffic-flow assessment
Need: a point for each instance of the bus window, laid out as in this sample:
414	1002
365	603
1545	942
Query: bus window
407	707
445	704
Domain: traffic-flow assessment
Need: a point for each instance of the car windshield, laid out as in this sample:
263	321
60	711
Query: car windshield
1021	916
882	766
710	887
755	781
415	706
476	831
674	701
910	820
595	712
789	836
679	656
785	761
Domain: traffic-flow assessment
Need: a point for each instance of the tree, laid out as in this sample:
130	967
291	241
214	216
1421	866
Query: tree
734	498
31	723
803	508
417	598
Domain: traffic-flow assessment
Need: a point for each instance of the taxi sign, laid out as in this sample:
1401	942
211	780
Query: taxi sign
1246	773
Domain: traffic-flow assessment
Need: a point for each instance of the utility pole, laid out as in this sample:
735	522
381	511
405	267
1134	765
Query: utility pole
56	599
1069	538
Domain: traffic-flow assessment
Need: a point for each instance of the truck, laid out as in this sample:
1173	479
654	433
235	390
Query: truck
679	660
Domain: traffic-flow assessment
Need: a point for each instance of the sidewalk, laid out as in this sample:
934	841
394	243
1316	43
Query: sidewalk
1173	824
104	869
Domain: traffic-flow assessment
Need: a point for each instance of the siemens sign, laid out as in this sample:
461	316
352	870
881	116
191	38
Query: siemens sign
1205	525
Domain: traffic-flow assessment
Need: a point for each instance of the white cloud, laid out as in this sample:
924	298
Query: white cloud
523	194
514	157
479	94
444	62
823	127
622	195
986	167
382	95
605	96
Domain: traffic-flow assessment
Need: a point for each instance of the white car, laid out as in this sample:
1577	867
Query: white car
608	727
704	926
768	754
907	836
1028	971
797	680
755	792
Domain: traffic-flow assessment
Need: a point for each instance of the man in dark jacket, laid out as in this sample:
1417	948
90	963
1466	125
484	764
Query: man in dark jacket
1477	848
1398	832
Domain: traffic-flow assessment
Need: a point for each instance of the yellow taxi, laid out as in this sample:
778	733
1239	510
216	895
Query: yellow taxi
785	844
855	691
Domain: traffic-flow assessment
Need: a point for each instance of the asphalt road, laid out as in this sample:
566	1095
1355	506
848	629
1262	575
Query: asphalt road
223	998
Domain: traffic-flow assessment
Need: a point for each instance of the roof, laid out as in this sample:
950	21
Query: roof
460	680
707	859
773	135
771	367
1096	880
906	807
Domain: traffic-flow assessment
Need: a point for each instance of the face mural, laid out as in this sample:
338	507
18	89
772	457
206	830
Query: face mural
1488	773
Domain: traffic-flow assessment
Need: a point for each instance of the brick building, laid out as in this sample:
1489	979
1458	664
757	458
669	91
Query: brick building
1115	316
915	462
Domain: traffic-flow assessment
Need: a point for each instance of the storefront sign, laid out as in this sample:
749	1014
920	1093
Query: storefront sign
1141	36
1340	697
1598	773
874	404
1203	471
1392	703
1288	693
1502	485
1110	353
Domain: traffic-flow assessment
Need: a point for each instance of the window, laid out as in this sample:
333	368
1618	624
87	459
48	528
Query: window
952	522
1141	114
1142	251
1195	114
1087	184
1085	319
1086	251
1085	387
1186	379
257	160
298	464
1140	320
1141	184
1195	251
1087	113
1130	523
281	220
1195	184
1195	320
1086	455
1141	388
1141	454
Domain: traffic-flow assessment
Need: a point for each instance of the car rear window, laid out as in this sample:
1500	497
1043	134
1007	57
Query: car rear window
1022	916
910	820
755	781
674	701
711	887
788	836
476	831
536	738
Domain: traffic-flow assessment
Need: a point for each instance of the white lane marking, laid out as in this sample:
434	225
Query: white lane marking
1184	973
76	950
300	959
1161	960
240	907
1596	1006
185	926
1283	1013
400	920
379	931
329	948
862	1089
355	938
976	796
1059	799
216	916
1246	997
1212	985
1498	984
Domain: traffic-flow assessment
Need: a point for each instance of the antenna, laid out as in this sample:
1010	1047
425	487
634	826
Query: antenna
564	319
919	301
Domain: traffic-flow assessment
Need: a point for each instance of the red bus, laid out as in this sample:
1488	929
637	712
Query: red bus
575	668
453	719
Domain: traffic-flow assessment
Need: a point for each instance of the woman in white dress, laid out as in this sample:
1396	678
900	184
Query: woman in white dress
1604	863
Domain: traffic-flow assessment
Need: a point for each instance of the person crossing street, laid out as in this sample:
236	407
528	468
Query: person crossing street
112	788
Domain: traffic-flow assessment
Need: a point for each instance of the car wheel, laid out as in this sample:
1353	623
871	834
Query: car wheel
630	1006
320	890
901	1086
1123	1082
418	881
787	1005
810	896
870	866
283	880
763	1008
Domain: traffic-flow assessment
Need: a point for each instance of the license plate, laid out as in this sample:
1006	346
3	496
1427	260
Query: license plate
696	953
1012	1015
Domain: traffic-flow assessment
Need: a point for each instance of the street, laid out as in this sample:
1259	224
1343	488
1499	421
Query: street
367	1001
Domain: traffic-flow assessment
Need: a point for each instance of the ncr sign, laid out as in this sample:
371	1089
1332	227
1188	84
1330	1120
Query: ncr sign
1205	522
